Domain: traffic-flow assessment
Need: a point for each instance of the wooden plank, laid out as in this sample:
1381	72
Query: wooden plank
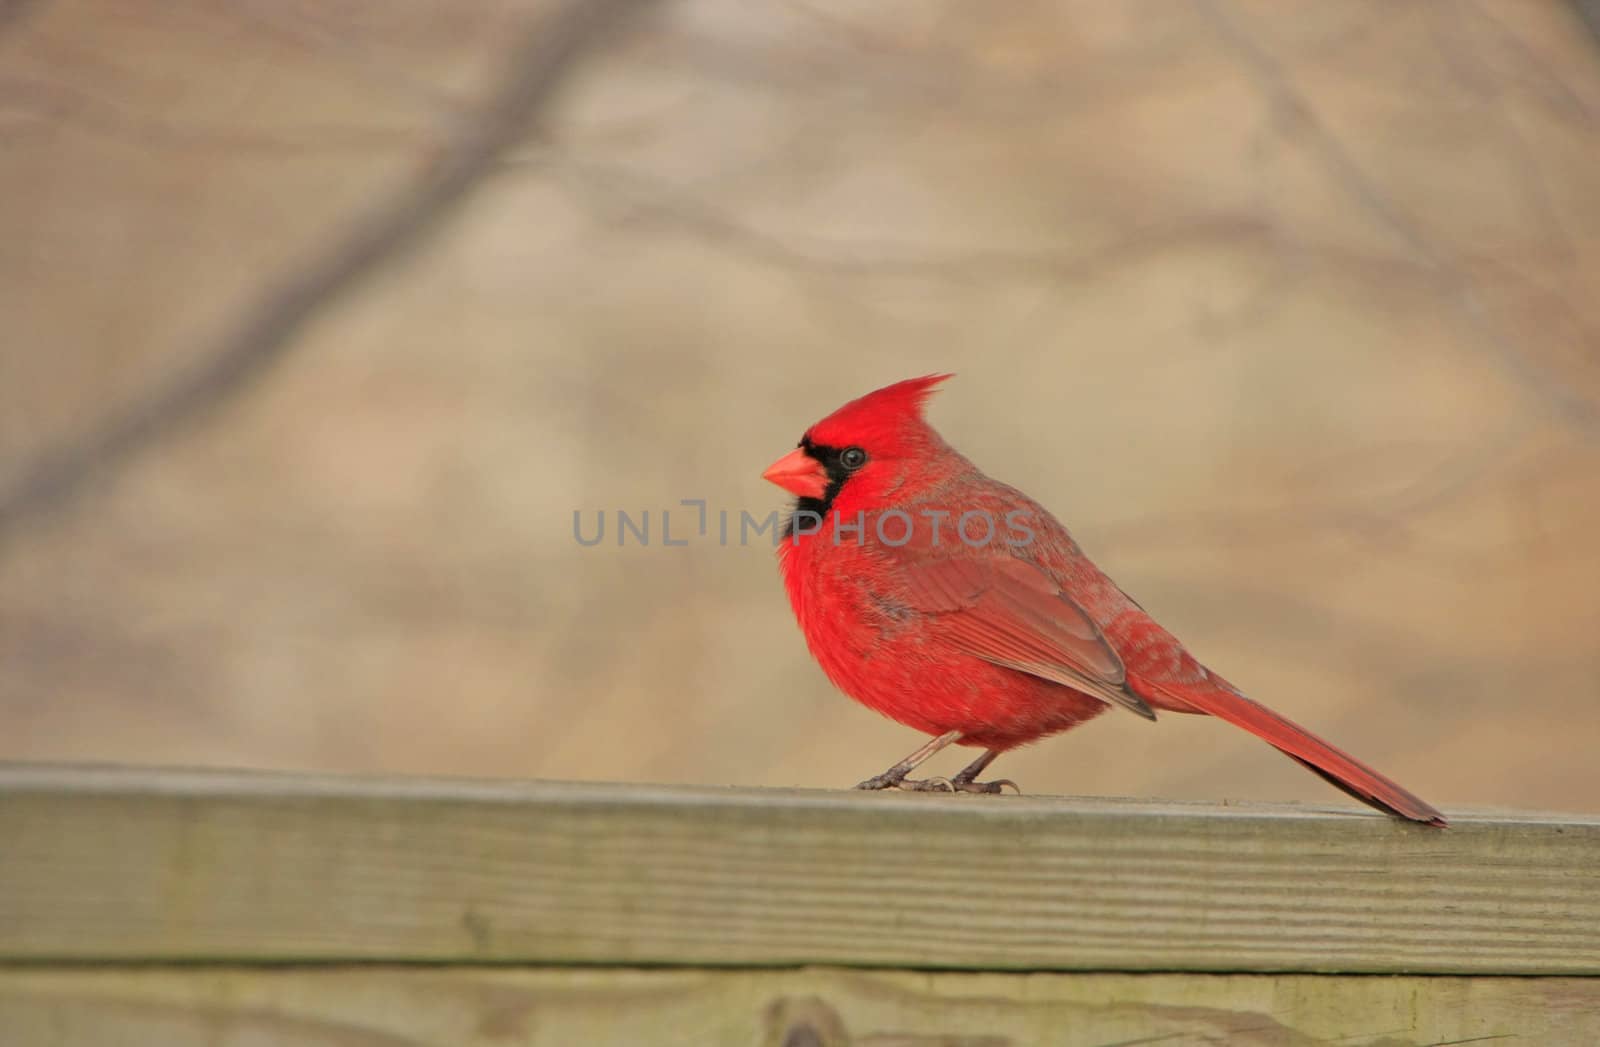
463	1007
106	864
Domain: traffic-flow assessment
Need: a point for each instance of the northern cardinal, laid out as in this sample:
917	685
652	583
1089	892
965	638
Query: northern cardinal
958	606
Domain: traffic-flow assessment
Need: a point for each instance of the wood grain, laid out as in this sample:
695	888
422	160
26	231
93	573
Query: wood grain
106	864
479	1007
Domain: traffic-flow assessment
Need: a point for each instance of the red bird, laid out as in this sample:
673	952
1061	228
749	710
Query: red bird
958	606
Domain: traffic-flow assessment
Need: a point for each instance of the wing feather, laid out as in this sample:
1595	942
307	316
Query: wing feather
1010	613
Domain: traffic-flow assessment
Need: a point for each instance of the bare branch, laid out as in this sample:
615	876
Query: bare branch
623	196
13	11
45	106
1589	11
539	65
1454	285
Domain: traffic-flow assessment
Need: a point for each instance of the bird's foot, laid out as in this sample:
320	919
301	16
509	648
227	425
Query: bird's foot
994	788
938	785
901	782
929	785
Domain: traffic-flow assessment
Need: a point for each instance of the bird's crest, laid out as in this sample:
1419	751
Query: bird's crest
880	416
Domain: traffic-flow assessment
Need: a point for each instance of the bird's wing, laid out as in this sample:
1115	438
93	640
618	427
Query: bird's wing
1010	613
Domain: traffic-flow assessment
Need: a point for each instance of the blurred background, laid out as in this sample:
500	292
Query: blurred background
1288	310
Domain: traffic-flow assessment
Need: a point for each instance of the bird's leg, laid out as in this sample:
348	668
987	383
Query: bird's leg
895	777
963	781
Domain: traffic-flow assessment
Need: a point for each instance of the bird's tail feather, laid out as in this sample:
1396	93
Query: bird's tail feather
1339	768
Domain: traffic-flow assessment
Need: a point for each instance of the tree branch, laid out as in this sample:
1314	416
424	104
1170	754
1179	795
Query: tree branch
540	64
1589	11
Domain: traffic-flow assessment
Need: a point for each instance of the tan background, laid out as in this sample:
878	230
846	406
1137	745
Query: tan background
1288	309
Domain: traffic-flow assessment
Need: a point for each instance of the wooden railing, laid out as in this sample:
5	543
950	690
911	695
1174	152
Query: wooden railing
188	907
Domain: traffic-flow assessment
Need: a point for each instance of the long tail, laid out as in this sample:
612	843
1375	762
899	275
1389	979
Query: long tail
1339	769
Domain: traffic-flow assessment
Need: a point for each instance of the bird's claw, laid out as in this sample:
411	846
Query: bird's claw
938	785
993	788
911	785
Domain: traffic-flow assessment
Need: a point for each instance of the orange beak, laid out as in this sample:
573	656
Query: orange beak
798	473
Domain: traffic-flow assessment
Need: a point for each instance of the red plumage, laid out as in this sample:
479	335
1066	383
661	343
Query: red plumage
985	643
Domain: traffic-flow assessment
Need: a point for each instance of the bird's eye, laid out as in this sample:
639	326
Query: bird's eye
852	458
